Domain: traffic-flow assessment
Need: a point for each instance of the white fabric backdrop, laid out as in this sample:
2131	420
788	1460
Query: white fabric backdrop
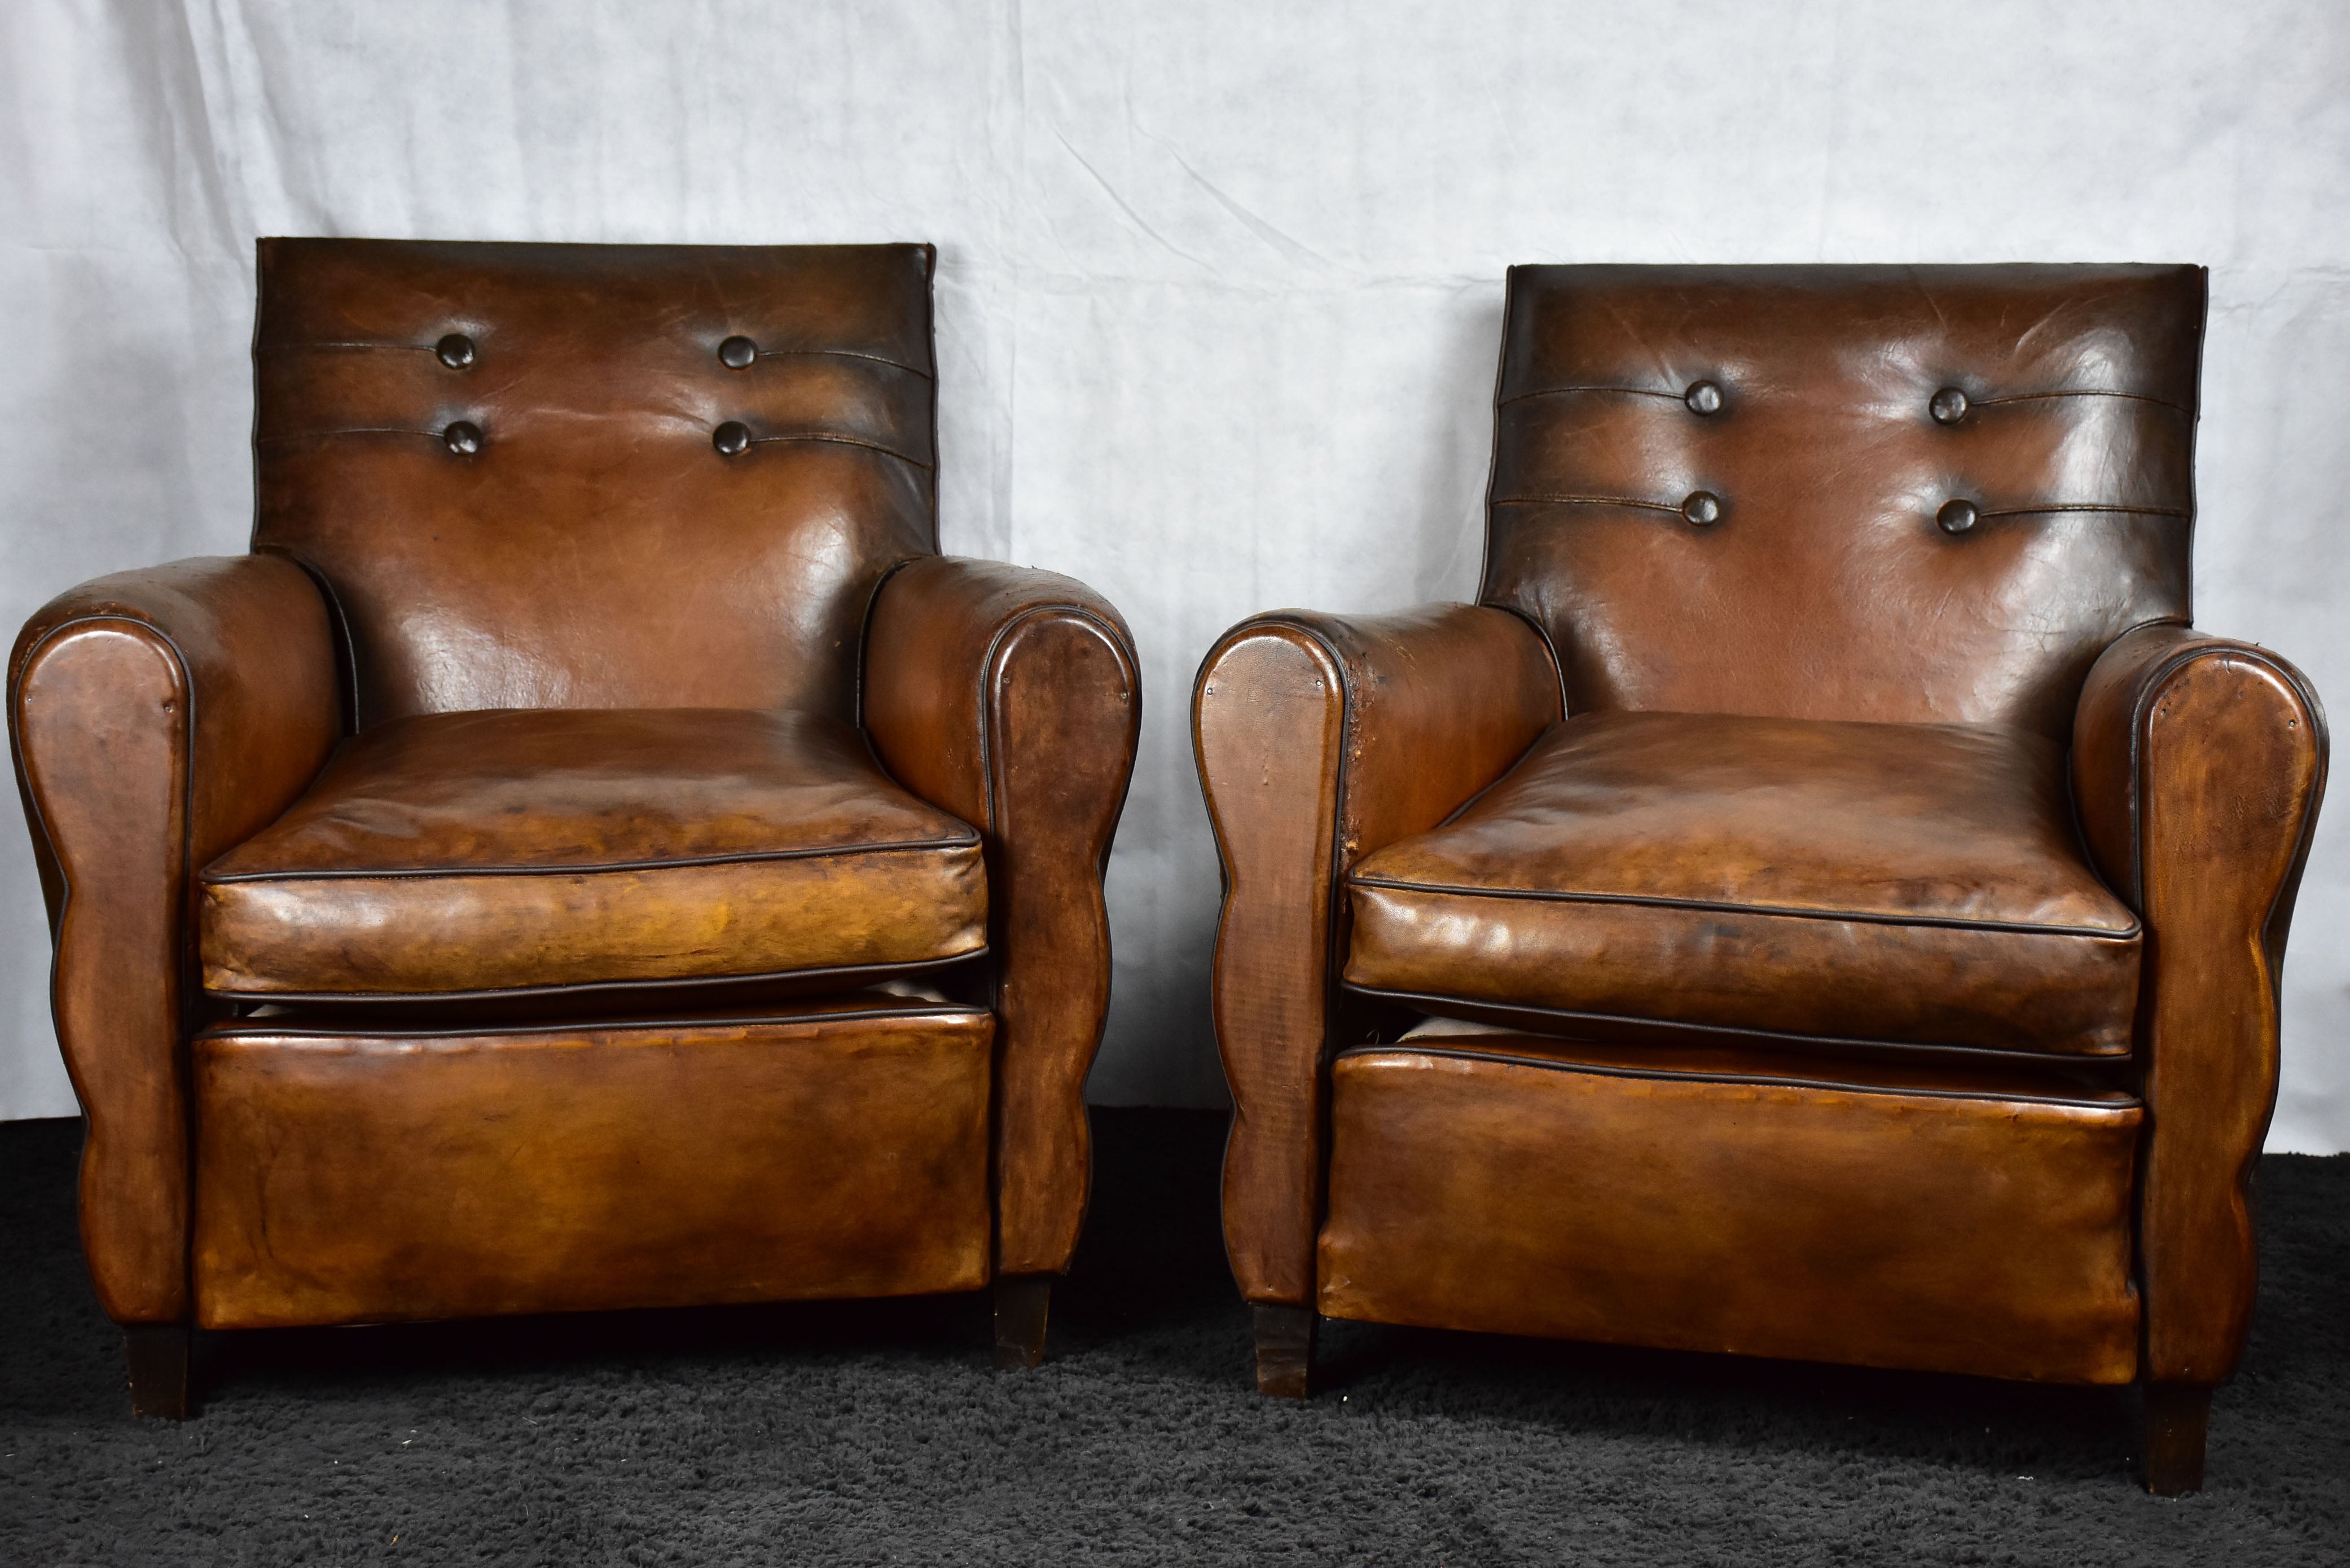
1220	286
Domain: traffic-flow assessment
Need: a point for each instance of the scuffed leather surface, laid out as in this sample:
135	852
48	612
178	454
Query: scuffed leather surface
501	851
349	1176
597	551
1827	590
2198	764
157	716
1321	739
1910	883
1746	1202
1013	698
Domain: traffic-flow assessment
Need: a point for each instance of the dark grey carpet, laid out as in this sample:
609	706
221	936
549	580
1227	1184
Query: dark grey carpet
878	1433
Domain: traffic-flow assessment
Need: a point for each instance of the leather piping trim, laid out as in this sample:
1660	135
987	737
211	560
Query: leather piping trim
368	998
426	873
249	1028
1419	999
844	441
1675	507
1861	917
2128	1105
339	626
843	354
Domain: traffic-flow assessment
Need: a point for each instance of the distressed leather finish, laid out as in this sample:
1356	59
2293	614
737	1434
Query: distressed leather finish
1835	563
457	854
158	717
1919	884
596	551
1013	698
1755	1202
1825	589
353	1175
1320	740
577	553
2199	763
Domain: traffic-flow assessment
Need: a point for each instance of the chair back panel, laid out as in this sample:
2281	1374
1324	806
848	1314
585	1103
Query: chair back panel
1781	540
503	461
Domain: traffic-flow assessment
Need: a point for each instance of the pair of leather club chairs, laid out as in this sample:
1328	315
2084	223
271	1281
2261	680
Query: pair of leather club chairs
1823	901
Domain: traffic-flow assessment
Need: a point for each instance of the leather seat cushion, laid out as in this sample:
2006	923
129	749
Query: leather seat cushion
528	851
1910	884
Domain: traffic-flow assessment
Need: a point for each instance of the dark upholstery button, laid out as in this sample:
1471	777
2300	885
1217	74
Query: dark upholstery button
732	439
1949	407
737	352
464	438
1703	398
1957	516
1703	508
456	350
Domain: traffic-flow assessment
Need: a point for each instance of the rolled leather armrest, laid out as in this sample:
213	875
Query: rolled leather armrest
1012	697
2198	765
157	718
1320	739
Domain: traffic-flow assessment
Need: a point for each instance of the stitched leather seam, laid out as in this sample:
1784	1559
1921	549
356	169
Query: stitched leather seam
1563	392
1672	507
414	873
2083	392
844	354
1653	901
844	441
1775	1036
433	348
348	430
2129	1107
2054	506
259	1029
573	988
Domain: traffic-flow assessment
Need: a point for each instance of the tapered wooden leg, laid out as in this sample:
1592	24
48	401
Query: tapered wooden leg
158	1354
1285	1350
1024	1305
2178	1415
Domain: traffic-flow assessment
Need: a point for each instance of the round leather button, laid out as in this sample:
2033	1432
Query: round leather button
1949	406
456	350
464	438
1703	508
732	439
737	352
1703	398
1957	516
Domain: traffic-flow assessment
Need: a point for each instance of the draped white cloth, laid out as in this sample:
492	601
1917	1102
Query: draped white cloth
1220	286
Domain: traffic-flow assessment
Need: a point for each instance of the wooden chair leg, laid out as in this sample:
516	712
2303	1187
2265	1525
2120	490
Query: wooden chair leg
1285	1350
158	1355
2178	1415
1024	1307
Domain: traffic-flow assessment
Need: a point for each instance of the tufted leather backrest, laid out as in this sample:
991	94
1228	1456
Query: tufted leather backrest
1732	489
528	479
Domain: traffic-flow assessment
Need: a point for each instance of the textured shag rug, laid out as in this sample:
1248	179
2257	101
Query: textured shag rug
878	1432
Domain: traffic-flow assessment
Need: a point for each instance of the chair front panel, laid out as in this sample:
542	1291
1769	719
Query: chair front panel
1897	494
596	476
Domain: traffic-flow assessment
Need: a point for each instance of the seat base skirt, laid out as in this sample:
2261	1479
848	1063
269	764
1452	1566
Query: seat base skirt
344	1176
1937	1219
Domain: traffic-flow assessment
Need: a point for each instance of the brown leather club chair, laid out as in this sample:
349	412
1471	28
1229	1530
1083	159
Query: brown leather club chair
594	853
1824	900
